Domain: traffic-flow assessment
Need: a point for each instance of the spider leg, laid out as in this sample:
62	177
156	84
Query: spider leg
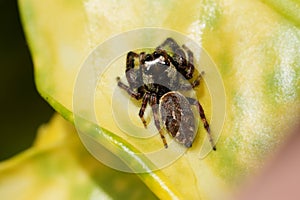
133	75
170	42
130	60
154	106
131	92
190	64
143	107
184	66
203	118
194	84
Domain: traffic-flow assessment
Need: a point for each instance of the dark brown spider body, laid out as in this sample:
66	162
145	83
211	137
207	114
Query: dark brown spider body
159	76
157	80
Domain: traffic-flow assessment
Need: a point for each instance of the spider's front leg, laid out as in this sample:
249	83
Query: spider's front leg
203	118
190	64
154	106
133	76
170	42
184	66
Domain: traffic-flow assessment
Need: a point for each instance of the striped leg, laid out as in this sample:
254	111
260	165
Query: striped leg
203	118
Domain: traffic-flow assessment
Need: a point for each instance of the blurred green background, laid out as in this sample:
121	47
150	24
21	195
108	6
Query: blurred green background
22	109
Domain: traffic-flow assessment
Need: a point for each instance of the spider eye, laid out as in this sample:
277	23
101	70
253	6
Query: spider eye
148	57
156	54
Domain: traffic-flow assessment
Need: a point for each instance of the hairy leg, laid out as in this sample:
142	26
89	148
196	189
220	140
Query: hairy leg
190	64
130	60
133	75
194	84
131	92
154	106
203	118
143	107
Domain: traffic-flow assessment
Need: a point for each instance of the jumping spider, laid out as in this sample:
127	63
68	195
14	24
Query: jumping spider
157	80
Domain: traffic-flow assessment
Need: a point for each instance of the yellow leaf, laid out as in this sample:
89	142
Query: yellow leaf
58	167
255	48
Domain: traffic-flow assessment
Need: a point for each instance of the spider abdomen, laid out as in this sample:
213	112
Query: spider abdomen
177	117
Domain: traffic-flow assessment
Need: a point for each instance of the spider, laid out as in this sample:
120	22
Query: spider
157	78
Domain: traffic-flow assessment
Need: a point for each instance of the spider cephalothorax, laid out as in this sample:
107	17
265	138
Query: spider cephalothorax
157	78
